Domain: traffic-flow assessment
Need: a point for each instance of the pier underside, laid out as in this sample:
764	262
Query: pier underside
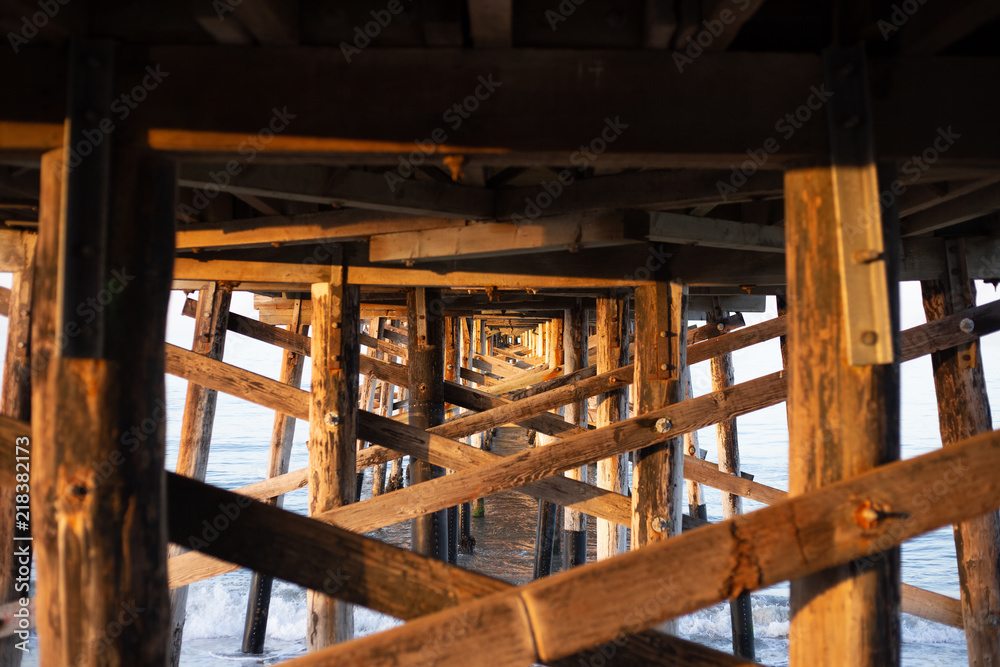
471	215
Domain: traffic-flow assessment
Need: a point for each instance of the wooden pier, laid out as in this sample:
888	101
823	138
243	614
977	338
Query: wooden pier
466	215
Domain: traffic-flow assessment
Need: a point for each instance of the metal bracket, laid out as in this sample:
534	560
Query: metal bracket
863	278
668	328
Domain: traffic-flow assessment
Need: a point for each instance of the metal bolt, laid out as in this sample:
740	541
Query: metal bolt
663	334
331	419
720	326
663	367
869	337
967	325
866	256
663	425
660	525
992	620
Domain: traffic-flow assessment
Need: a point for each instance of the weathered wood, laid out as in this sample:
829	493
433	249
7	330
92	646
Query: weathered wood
727	445
660	359
15	402
810	533
612	353
843	421
366	572
692	452
196	426
99	416
545	534
964	411
575	350
332	433
279	455
737	340
428	532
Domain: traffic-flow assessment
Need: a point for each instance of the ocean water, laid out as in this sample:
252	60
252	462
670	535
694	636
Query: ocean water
505	537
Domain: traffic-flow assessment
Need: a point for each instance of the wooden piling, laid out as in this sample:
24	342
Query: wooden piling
740	609
15	402
279	455
575	358
452	362
843	421
696	495
332	434
429	533
612	353
545	532
196	426
98	411
964	411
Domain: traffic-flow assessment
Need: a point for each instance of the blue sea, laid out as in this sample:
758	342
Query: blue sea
505	537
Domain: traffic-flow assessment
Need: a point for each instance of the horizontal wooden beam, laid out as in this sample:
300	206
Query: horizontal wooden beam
593	230
340	225
710	232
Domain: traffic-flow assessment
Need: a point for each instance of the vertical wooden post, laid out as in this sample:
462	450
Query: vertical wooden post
429	533
660	364
385	395
98	412
467	543
612	353
452	360
396	471
196	425
483	439
15	402
723	376
279	455
367	403
545	532
575	346
332	433
843	418
964	411
695	493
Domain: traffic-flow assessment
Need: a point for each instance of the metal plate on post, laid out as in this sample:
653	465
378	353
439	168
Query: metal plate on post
863	277
668	333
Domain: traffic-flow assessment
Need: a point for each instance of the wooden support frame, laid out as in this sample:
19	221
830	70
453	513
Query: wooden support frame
332	433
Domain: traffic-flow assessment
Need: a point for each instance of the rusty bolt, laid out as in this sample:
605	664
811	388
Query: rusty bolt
331	419
660	525
967	325
869	337
663	425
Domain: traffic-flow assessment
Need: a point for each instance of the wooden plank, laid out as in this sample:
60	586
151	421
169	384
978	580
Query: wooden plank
333	400
805	534
975	204
196	426
736	340
500	238
338	225
664	227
